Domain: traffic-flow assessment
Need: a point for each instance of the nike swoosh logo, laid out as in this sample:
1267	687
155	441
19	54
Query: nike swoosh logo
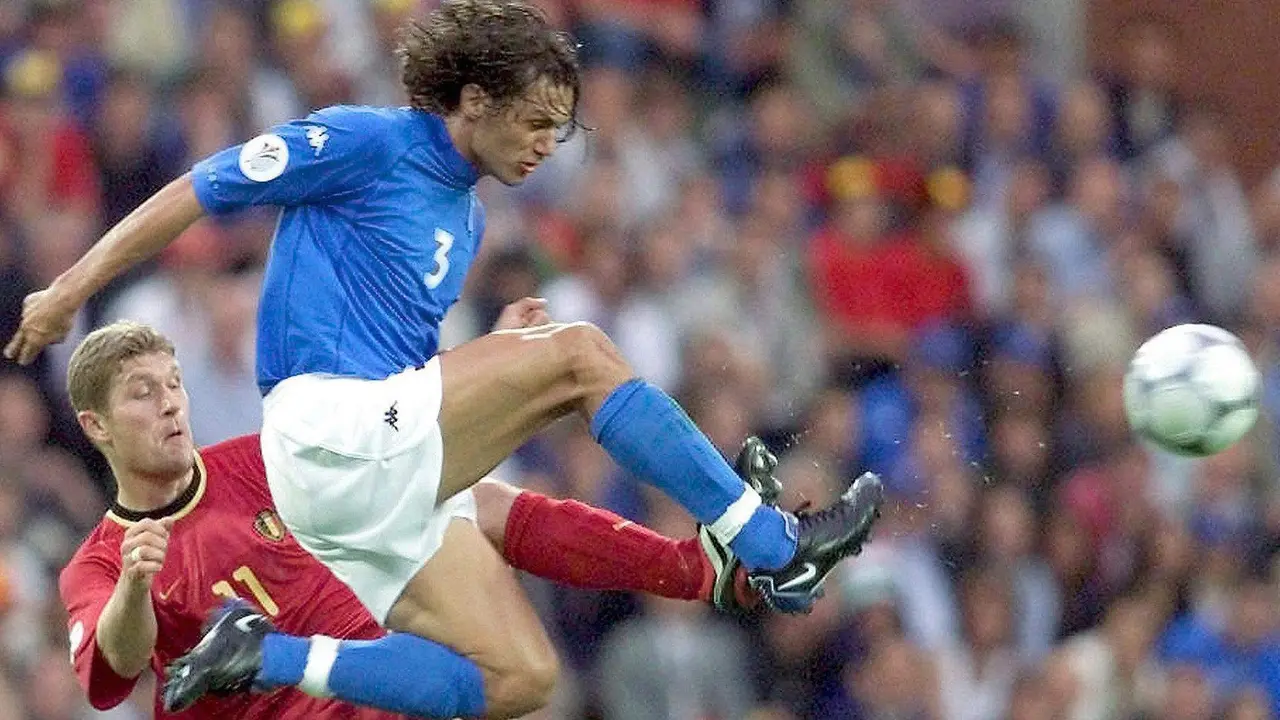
810	572
165	594
622	524
248	622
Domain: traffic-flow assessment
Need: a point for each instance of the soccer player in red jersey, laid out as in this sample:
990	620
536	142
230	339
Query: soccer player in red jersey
138	588
189	528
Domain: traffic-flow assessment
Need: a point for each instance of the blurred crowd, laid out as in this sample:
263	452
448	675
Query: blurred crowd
921	237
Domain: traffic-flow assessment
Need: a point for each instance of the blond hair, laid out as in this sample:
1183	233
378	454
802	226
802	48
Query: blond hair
95	363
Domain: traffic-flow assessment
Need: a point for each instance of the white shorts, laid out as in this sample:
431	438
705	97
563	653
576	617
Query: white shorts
354	469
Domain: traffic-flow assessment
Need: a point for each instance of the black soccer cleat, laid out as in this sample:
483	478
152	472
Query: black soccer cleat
224	662
823	539
755	465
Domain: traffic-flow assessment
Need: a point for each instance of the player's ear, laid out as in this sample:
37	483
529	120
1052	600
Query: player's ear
93	426
473	102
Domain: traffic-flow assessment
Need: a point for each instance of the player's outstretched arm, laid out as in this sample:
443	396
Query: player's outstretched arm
47	314
127	627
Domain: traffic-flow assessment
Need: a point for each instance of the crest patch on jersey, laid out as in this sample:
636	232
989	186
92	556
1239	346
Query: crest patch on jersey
269	525
264	157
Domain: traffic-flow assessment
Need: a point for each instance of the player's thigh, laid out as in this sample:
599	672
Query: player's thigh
500	389
467	598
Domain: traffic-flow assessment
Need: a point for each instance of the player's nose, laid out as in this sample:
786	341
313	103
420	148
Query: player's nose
170	404
545	144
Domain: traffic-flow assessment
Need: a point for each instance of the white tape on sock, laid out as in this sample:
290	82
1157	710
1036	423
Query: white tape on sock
320	659
728	525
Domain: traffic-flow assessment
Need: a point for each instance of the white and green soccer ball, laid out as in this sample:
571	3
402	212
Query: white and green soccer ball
1192	390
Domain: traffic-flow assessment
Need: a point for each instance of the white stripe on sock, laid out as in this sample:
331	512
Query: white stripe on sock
320	659
727	526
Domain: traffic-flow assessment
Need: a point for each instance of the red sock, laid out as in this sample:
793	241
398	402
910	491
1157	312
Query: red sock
585	547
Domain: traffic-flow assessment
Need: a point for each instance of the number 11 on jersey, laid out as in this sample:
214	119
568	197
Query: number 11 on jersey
245	575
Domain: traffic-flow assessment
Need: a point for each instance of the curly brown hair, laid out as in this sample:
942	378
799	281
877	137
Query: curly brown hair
502	47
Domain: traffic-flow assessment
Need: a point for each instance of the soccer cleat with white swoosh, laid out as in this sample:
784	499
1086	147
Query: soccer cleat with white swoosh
224	662
823	539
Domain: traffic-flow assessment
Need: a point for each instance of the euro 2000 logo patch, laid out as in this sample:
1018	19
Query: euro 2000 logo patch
269	525
264	158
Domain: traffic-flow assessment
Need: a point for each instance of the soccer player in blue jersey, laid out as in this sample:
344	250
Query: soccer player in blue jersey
372	437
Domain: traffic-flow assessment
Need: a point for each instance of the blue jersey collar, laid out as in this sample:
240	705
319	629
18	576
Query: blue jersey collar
458	170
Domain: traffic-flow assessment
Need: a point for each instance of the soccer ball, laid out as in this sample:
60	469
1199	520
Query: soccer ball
1192	390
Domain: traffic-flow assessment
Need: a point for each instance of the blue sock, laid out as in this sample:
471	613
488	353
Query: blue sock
651	437
284	657
400	673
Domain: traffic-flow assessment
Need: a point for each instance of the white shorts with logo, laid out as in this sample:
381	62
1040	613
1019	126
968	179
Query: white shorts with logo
354	469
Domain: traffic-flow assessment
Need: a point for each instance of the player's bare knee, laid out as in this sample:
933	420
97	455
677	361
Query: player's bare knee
494	500
592	362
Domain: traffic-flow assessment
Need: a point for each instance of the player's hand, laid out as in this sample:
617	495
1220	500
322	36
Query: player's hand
523	313
143	549
46	319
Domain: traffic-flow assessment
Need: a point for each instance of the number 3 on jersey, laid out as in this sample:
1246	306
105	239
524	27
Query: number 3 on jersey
444	241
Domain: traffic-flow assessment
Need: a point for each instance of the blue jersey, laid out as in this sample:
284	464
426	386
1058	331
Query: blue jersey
379	223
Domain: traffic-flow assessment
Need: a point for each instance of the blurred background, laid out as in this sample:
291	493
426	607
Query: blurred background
916	236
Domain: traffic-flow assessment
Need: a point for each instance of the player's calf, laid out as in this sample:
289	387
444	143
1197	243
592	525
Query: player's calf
519	670
516	687
649	435
467	598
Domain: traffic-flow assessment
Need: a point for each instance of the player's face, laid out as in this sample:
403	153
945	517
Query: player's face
511	142
146	421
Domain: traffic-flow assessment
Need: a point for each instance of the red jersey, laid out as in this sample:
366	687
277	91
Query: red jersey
851	282
894	282
931	286
227	541
72	175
